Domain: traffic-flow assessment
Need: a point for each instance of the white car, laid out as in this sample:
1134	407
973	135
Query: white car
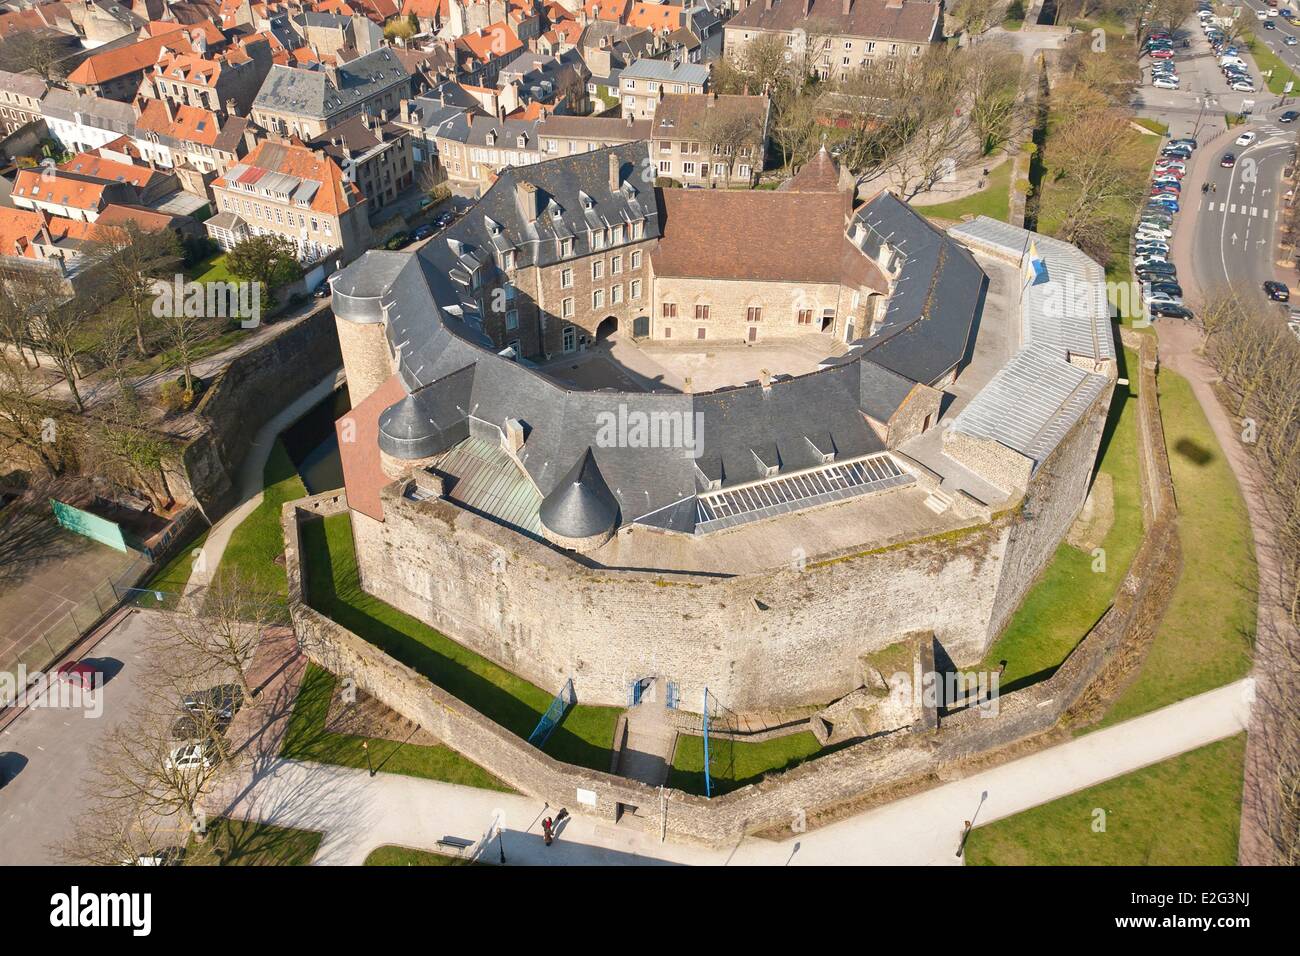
1140	261
1272	12
1290	40
191	756
1163	84
1261	15
1245	139
1241	86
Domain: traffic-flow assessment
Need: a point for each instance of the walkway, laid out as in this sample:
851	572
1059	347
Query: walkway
356	813
251	479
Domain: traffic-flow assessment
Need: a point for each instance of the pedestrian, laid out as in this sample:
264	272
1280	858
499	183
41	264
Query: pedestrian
1205	188
1214	187
546	831
561	816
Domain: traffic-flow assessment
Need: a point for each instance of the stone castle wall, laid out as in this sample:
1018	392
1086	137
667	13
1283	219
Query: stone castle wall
785	637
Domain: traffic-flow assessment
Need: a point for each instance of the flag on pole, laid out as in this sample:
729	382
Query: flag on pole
1035	267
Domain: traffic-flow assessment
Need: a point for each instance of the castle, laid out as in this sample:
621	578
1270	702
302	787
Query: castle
533	467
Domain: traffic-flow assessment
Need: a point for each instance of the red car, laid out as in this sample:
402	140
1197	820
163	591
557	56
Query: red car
80	673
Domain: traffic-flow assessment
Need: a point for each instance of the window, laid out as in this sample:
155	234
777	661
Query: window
636	259
688	169
566	247
805	316
634	290
700	333
598	239
719	169
598	269
615	265
597	298
754	313
566	309
668	333
512	320
566	279
669	310
742	170
508	259
701	314
570	338
665	166
615	294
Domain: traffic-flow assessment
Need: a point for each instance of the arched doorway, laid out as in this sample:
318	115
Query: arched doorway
608	326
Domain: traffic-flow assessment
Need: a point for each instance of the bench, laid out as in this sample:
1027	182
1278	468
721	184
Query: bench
455	843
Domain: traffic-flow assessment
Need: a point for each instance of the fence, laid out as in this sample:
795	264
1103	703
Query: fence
57	639
39	652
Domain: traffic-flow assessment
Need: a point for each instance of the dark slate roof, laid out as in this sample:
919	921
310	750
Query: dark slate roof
581	504
312	92
454	377
937	296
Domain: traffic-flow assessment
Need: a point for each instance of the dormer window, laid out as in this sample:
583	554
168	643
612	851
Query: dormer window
566	247
508	260
587	202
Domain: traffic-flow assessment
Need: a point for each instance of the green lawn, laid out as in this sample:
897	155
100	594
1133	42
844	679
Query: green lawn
1207	635
733	764
1267	60
993	200
307	739
586	735
171	578
211	269
258	542
406	856
240	843
1070	596
1182	812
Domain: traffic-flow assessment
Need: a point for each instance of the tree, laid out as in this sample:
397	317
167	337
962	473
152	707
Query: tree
133	259
726	134
63	325
184	330
122	445
974	16
269	259
29	422
1087	154
218	629
993	77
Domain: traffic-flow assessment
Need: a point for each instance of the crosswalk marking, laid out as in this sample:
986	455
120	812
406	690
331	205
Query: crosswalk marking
1232	208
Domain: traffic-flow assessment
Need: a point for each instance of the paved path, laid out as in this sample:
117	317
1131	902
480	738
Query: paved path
357	813
251	478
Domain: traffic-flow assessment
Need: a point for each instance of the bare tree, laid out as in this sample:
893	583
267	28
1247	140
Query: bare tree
29	422
122	444
993	82
728	134
133	260
218	630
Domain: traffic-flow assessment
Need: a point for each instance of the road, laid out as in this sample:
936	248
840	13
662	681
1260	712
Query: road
1234	227
48	752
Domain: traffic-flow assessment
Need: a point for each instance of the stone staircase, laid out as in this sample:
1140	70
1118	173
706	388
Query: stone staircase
647	752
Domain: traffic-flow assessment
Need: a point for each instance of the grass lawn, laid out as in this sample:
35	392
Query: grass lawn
1268	61
171	578
406	856
1182	812
993	200
1070	596
732	764
241	843
586	735
1207	635
258	541
307	739
211	269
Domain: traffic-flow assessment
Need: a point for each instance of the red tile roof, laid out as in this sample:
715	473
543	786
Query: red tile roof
363	476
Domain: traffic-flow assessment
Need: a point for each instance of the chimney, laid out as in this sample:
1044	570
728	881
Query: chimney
528	201
469	118
845	8
615	173
765	380
807	5
171	114
513	437
405	111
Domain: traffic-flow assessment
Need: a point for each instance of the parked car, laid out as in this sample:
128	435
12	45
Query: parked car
1288	117
1242	86
1228	161
1167	288
1277	291
192	756
1149	271
80	674
223	701
322	291
1290	39
1169	310
1270	25
422	232
1163	84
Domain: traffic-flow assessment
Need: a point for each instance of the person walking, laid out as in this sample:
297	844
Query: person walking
546	831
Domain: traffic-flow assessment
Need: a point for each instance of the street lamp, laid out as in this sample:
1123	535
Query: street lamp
365	745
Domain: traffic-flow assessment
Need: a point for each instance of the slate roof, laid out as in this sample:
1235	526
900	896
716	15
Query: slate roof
456	382
312	93
915	21
666	71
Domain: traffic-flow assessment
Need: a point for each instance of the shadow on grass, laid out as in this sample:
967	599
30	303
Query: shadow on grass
241	843
585	737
